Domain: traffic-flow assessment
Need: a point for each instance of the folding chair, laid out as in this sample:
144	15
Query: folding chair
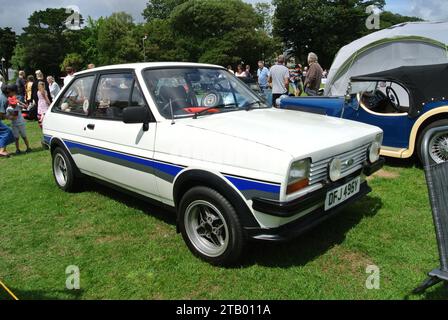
437	180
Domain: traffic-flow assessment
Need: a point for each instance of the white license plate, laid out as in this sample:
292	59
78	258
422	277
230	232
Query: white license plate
341	194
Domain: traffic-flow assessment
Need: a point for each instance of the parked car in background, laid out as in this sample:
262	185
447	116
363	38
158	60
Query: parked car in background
195	138
405	102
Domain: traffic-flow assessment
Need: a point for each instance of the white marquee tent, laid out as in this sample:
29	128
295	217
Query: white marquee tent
407	44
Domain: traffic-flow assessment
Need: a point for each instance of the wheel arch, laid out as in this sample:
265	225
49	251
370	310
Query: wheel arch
197	177
440	113
55	143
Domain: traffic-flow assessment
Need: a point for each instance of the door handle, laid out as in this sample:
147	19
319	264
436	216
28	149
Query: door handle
91	126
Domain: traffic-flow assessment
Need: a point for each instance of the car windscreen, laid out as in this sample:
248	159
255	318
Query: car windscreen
363	86
183	92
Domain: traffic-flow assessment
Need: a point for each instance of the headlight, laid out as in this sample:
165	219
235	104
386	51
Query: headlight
375	148
298	177
335	169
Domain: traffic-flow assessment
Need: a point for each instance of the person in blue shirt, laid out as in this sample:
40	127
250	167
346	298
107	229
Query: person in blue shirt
263	81
6	136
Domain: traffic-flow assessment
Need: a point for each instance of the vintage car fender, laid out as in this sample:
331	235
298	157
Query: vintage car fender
407	153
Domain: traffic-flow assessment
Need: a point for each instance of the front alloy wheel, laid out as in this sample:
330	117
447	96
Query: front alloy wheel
210	226
206	228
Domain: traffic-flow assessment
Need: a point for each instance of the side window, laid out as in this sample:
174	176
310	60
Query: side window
137	99
113	94
76	99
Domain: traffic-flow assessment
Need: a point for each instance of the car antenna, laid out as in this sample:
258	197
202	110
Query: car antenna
172	113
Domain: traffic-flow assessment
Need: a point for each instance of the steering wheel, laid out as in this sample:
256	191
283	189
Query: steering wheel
376	98
393	98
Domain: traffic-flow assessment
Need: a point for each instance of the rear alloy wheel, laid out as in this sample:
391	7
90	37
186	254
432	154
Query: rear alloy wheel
210	226
64	171
438	143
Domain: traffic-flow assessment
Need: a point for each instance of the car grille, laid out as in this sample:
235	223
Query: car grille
319	170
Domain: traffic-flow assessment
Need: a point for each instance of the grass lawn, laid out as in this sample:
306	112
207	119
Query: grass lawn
127	249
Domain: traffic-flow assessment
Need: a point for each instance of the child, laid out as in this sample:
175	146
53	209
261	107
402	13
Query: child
43	102
14	113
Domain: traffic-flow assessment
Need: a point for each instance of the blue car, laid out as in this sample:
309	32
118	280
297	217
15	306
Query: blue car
405	102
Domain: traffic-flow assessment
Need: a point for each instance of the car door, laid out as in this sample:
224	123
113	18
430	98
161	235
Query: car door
122	153
69	117
396	125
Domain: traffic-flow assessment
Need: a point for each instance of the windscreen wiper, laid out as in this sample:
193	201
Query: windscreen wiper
220	106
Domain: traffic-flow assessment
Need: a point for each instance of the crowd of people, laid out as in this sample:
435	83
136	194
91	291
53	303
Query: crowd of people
279	80
29	98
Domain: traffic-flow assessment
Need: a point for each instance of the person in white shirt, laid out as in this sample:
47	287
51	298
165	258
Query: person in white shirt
54	87
279	79
70	75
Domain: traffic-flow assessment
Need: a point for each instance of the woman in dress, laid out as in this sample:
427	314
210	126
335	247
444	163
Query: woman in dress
43	102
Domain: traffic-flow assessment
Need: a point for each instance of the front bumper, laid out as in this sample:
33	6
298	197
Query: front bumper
289	209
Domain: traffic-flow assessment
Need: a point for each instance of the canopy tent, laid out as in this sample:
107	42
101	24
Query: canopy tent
407	44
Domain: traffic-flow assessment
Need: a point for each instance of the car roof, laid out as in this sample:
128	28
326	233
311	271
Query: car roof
145	65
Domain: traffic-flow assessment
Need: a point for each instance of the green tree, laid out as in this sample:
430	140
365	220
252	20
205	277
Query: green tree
322	26
389	19
160	9
117	40
46	41
220	32
89	41
74	60
8	42
265	12
162	42
18	59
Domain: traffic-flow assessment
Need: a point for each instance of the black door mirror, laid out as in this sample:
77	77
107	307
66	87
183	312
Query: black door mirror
136	115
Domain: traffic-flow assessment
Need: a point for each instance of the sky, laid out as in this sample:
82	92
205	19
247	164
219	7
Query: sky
15	16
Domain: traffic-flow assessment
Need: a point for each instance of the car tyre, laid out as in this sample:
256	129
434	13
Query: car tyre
440	141
65	171
210	226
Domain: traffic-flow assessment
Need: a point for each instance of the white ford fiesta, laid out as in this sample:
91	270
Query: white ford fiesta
197	139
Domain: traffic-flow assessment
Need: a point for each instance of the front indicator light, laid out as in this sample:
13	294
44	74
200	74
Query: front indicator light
298	177
296	186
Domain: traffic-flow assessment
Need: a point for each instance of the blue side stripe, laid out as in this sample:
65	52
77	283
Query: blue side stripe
47	139
242	184
166	168
173	170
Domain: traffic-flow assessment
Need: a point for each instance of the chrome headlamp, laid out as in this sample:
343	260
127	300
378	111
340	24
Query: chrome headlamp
298	176
373	152
335	169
